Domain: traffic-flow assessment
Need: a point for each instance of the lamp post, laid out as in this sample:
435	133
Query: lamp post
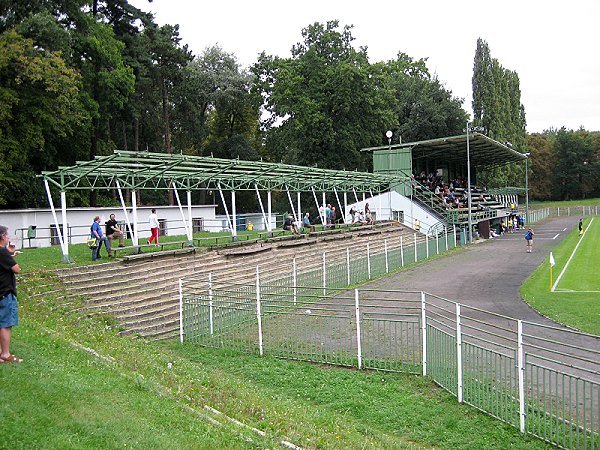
470	214
527	155
389	135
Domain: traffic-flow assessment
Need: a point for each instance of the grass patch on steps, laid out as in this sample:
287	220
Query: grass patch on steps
81	386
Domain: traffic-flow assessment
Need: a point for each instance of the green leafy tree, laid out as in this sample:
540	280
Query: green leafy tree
541	166
326	100
497	107
39	113
576	172
424	107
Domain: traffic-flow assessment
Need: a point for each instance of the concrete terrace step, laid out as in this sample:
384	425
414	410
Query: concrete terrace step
149	307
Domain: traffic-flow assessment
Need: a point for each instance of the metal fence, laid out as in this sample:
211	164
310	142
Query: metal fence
543	379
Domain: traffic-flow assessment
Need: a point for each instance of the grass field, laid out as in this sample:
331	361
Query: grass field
576	299
83	387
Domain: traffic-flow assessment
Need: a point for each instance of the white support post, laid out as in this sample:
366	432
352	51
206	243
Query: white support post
424	333
348	264
437	244
234	215
385	249
346	207
317	203
136	232
368	261
258	313
127	221
188	231
358	333
337	197
426	246
324	208
289	196
188	195
299	207
225	207
454	228
401	252
262	209
446	236
324	275
210	303
415	240
181	310
66	238
521	373
294	280
459	371
55	217
269	213
355	195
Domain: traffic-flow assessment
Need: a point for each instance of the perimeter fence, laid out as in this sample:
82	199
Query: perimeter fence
543	379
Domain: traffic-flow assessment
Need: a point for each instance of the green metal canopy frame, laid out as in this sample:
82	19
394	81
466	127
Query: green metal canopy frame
484	151
161	171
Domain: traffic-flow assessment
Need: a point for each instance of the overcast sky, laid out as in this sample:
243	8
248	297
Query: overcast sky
553	45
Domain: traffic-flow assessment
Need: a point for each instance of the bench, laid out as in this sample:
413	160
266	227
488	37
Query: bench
138	248
297	243
177	251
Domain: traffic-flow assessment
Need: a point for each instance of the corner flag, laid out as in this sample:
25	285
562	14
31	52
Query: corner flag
552	263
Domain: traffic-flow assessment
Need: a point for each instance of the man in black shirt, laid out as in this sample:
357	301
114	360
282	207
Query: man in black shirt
8	296
113	231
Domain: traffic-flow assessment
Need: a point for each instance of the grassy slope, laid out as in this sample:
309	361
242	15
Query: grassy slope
63	396
578	310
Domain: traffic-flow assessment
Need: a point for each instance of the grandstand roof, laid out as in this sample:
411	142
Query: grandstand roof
484	152
158	171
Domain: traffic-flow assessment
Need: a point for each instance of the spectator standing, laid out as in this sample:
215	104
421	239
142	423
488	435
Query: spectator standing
580	225
9	316
328	214
333	217
114	232
529	239
153	221
96	232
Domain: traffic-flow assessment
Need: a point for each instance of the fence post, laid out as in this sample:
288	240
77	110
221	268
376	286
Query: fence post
459	371
437	244
294	278
454	228
424	333
401	252
368	261
558	211
521	369
258	313
415	239
426	246
446	236
181	310
324	275
387	267
210	303
348	264
358	342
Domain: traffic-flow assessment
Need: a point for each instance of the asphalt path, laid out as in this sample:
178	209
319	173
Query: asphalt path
488	274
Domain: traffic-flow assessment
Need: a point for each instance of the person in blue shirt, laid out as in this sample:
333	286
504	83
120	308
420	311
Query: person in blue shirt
306	222
96	232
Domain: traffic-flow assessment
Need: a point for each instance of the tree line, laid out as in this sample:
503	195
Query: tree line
81	78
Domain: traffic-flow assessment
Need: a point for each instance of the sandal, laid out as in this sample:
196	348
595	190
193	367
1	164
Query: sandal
11	359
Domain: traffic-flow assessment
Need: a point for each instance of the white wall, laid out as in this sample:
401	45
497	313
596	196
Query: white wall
385	204
80	221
